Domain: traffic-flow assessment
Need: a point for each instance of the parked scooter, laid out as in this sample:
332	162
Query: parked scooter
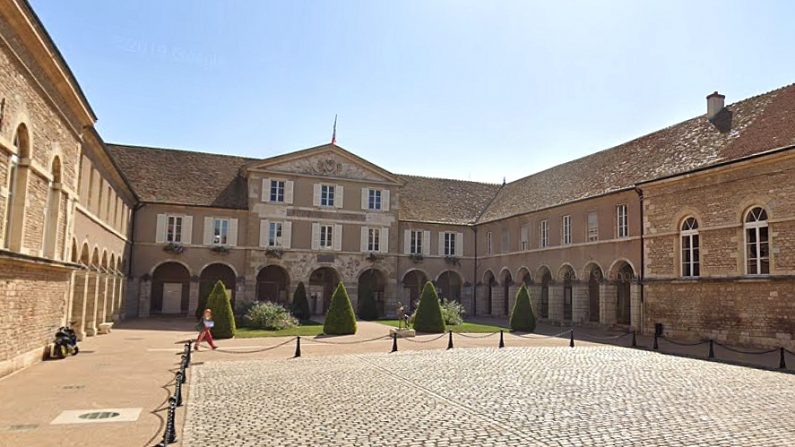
65	343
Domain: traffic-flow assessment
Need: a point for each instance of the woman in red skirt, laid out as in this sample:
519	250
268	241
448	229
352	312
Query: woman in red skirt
206	324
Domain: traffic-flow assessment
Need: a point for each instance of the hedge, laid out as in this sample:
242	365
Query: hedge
340	319
220	302
300	306
367	308
429	312
522	318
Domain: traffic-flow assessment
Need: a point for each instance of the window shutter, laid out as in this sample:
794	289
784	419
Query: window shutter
232	237
316	196
160	230
208	231
365	198
426	243
384	240
459	244
187	229
287	234
385	200
441	243
364	239
264	227
407	242
266	190
336	238
315	236
338	193
288	192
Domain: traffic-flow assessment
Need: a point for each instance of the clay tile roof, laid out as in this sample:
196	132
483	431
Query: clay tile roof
744	128
182	177
444	200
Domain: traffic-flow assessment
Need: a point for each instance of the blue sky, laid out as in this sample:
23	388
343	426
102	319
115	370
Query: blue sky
460	89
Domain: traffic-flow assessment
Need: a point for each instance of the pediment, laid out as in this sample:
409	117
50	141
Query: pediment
325	161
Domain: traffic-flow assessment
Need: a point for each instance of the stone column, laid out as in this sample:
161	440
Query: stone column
556	302
353	293
390	298
497	300
535	299
511	298
144	297
104	280
91	303
80	291
466	299
483	299
636	314
579	302
193	298
112	298
607	303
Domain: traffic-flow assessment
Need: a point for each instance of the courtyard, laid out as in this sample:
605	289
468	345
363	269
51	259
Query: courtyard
489	397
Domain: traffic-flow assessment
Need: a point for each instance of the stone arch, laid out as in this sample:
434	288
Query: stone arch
449	285
170	288
489	282
95	260
209	275
617	266
154	267
567	276
414	280
273	284
567	272
17	189
622	275
524	276
74	256
22	141
104	263
594	274
112	263
374	281
323	280
506	279
85	257
682	215
545	279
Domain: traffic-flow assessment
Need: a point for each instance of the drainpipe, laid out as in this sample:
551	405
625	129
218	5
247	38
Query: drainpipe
642	256
475	276
130	263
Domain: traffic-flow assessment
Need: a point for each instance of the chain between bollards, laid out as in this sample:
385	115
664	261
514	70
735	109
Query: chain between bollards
178	387
711	354
170	434
450	341
502	342
782	364
297	347
394	342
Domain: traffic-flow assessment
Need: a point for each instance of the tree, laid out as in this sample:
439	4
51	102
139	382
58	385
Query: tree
429	312
300	306
220	302
340	319
522	318
367	307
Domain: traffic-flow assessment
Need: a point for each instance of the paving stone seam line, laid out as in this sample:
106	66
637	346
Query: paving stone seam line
466	408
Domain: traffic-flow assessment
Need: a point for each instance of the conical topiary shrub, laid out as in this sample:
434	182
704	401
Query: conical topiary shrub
340	319
300	306
220	302
367	307
429	312
522	318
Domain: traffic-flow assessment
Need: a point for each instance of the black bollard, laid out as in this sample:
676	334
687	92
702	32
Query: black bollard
634	340
450	341
178	388
571	338
182	368
711	354
502	342
297	347
394	342
782	364
188	350
655	346
172	425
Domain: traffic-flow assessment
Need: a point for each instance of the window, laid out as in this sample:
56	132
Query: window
593	227
90	187
326	235
374	199
275	234
327	195
566	230
415	246
12	184
373	239
277	191
220	231
449	244
543	240
107	204
525	238
621	221
690	246
757	249
174	229
489	246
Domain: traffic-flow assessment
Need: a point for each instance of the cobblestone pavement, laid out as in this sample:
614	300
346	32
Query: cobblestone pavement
547	396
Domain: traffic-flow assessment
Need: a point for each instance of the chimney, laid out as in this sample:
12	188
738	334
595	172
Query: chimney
714	104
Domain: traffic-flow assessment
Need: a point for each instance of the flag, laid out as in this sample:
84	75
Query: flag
334	133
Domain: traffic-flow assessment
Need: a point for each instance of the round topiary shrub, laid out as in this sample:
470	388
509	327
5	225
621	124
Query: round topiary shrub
522	318
368	310
429	312
300	306
340	319
270	316
220	302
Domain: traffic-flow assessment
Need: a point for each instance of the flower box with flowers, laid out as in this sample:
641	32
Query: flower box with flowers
174	247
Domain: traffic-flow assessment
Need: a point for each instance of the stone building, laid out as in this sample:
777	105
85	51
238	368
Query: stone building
691	228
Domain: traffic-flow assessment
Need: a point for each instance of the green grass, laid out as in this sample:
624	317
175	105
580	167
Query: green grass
466	327
306	329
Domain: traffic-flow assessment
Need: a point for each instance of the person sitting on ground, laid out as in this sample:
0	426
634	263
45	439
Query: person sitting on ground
204	327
